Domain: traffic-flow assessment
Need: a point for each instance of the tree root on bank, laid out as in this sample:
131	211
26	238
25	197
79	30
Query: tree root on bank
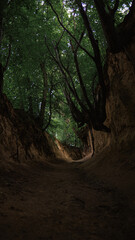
84	159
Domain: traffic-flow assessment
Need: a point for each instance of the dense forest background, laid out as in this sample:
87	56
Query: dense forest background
52	58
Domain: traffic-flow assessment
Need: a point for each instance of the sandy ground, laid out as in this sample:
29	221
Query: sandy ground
58	203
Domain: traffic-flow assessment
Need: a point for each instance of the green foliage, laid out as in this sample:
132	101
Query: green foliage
26	24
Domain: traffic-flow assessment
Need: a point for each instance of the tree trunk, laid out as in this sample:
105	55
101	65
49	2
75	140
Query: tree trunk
126	29
1	66
107	21
1	78
30	98
1	30
50	107
3	69
116	37
44	96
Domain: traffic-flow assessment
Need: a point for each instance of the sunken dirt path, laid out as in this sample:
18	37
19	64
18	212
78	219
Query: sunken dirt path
58	203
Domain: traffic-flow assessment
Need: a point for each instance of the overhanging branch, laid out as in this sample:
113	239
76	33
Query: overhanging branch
71	35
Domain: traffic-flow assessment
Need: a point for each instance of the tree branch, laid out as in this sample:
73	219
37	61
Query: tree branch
115	6
72	89
71	35
114	9
126	29
58	61
94	44
107	21
88	27
81	37
79	72
76	113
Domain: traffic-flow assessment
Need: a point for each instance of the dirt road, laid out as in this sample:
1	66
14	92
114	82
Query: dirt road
58	203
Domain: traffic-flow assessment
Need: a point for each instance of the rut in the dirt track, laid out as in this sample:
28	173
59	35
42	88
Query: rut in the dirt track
60	204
